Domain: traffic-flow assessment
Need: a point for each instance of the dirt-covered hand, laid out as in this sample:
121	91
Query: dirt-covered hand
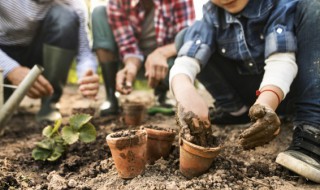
192	128
265	128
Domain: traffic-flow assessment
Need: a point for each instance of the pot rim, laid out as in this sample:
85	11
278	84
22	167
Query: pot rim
160	134
207	152
113	140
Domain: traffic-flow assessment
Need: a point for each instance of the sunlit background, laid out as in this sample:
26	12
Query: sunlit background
72	79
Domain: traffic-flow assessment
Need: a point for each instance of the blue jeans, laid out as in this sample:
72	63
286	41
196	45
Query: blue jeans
232	90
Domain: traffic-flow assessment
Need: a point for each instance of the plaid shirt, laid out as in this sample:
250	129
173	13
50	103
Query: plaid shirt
126	18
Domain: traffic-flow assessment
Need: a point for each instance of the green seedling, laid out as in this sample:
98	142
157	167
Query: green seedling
56	141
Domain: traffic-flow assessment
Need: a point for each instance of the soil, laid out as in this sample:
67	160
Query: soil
90	166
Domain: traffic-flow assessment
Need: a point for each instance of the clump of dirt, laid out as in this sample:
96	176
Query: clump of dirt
126	133
195	130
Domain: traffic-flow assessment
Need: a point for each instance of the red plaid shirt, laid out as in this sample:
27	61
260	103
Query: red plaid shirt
126	18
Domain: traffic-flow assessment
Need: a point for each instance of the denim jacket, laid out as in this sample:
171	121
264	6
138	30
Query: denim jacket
262	28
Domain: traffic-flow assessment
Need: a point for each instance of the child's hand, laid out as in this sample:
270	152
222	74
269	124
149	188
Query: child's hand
265	128
192	128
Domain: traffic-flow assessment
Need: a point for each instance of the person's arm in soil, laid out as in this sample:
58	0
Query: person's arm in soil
182	76
280	71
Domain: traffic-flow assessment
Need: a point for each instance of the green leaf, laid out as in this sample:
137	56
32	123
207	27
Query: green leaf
54	156
58	139
57	152
57	125
77	121
47	144
60	148
40	153
69	135
88	133
47	131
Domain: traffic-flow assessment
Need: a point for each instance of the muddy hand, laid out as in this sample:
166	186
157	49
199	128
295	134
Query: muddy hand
191	127
266	127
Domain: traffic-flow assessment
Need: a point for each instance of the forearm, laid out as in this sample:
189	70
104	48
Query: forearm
7	64
85	58
270	96
187	95
122	30
280	71
181	85
168	50
132	62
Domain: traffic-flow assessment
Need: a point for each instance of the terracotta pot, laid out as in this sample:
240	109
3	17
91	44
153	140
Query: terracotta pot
195	160
128	152
133	113
159	143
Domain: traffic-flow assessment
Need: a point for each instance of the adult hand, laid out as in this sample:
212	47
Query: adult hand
265	128
40	88
89	84
125	78
156	68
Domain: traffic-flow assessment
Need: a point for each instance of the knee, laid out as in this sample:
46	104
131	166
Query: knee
63	21
99	12
308	9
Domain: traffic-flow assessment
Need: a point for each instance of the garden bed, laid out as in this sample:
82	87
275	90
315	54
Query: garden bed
90	166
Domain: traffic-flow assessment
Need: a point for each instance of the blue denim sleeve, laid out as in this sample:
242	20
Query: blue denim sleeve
198	42
280	35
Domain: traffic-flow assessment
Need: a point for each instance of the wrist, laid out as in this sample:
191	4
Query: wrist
270	96
167	50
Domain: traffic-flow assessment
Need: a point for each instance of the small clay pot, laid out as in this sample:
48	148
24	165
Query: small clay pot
133	113
159	143
128	149
195	160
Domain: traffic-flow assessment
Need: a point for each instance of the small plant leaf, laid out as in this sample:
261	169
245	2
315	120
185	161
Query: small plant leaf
77	121
69	135
57	125
40	153
59	140
54	156
47	131
88	133
47	144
